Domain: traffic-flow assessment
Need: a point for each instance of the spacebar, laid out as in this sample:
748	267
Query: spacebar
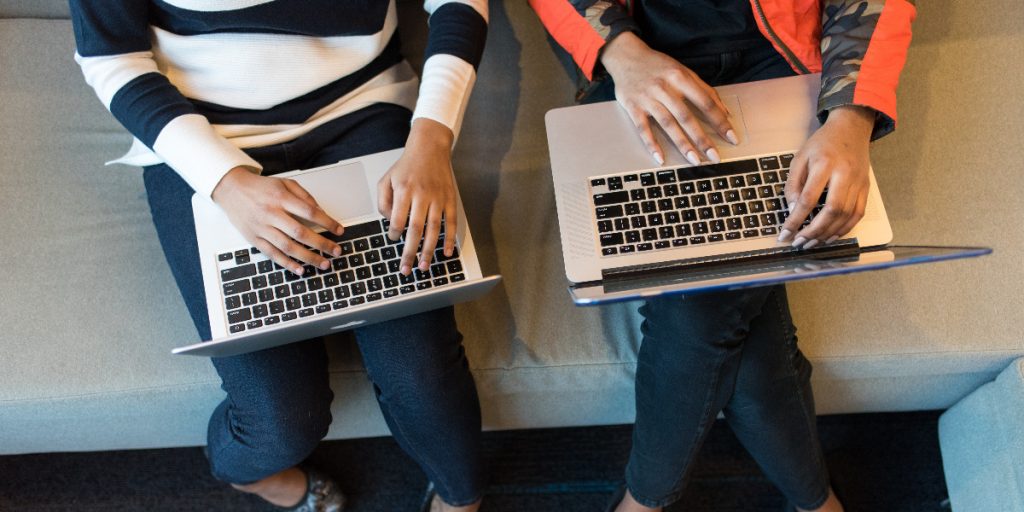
356	231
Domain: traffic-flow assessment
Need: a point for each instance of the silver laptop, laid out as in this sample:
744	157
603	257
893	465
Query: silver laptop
633	230
255	304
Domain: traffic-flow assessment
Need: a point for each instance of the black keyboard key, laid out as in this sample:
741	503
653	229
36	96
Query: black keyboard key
271	320
737	182
630	178
666	232
750	233
609	212
309	300
687	188
621	224
716	198
680	242
315	284
704	186
394	266
666	176
765	192
731	196
407	289
750	222
627	249
391	281
379	269
648	207
717	226
361	245
732	235
303	313
739	209
331	280
372	256
632	209
699	200
718	237
292	303
233	302
722	211
254	324
771	177
645	247
239	315
440	281
323	308
609	251
276	307
325	296
288	317
706	213
347	276
749	193
769	163
671	217
683	230
654	193
390	293
767	219
230	274
786	160
339	263
604	226
374	297
358	288
276	278
363	273
664	204
265	266
608	239
700	228
342	292
421	275
298	287
237	328
266	294
670	190
655	220
406	279
682	202
769	231
615	183
647	179
773	205
649	234
339	304
260	310
597	182
611	198
694	240
282	291
236	287
637	194
638	222
356	260
225	256
357	301
308	270
374	285
734	223
377	241
753	180
388	253
689	215
244	258
422	285
721	183
756	206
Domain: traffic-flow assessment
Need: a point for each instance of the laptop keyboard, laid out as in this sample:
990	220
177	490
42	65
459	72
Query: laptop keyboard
260	293
673	208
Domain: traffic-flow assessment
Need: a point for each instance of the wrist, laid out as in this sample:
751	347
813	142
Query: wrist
861	119
429	135
620	51
231	181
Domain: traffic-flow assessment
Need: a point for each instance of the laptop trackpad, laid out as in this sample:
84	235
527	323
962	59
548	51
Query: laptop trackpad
342	190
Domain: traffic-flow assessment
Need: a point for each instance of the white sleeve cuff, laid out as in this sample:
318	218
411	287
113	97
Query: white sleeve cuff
190	146
444	90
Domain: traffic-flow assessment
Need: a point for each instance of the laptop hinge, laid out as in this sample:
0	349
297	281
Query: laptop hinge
839	248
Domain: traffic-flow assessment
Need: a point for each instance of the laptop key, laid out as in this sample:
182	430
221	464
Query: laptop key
750	233
237	328
455	278
341	292
266	295
358	289
661	244
769	231
422	285
339	304
627	249
254	324
323	308
440	281
769	163
611	198
666	176
248	299
697	240
683	230
644	247
633	209
309	300
271	320
717	237
732	235
609	212
265	266
230	274
325	296
609	251
239	315
650	234
615	183
637	194
666	232
225	256
357	301
363	273
287	317
276	307
233	302
276	278
303	313
390	293
604	226
407	289
680	242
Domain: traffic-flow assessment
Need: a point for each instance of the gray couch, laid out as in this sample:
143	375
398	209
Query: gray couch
89	312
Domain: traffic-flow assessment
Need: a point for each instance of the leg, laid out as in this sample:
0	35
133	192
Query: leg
278	401
426	392
772	408
686	370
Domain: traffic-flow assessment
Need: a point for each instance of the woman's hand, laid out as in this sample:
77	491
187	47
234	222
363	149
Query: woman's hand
651	84
420	189
837	156
267	212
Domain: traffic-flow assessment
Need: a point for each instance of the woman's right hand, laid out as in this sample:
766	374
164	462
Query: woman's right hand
650	84
267	212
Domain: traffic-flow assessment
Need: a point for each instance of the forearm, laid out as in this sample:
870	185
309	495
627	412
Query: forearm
583	27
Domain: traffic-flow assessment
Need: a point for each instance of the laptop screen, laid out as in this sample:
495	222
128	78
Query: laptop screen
761	273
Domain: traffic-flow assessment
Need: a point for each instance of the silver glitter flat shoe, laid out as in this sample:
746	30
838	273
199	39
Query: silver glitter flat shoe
322	494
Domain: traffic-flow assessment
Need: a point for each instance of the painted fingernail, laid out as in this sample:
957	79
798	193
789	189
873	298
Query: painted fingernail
692	157
406	270
325	265
790	207
731	136
658	158
799	241
831	239
337	251
713	155
784	236
810	244
298	270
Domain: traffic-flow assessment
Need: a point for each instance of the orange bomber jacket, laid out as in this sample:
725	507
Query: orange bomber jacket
858	46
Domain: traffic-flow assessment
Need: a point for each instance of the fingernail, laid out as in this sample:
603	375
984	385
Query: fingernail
692	157
337	251
791	206
298	270
325	265
799	241
658	158
831	239
713	155
810	244
784	236
731	136
406	269
340	230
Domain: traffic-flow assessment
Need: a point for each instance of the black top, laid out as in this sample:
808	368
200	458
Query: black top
697	27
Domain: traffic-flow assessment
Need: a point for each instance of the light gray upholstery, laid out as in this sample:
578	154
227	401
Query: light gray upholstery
45	9
982	441
89	311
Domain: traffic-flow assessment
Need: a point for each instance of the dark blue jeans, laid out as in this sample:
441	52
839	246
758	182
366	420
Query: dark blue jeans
733	352
278	401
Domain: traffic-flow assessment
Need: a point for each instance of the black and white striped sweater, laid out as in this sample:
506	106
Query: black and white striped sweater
195	80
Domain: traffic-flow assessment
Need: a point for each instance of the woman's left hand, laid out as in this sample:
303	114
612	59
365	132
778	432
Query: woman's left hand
420	189
836	156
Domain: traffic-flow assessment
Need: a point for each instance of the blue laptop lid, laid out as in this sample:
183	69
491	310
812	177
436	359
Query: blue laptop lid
733	276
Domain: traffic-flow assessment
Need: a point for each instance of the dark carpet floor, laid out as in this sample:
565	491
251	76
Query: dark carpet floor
880	462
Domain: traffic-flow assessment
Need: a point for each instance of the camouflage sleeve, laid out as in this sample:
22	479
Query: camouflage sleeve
608	18
863	49
583	27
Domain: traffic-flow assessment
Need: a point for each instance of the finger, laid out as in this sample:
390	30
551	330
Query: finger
417	216
858	214
451	226
298	191
643	128
433	232
277	256
797	177
806	200
299	232
311	212
689	123
709	105
671	120
385	196
292	248
399	215
832	231
834	211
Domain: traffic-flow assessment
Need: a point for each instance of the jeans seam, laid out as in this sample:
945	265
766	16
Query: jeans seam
791	335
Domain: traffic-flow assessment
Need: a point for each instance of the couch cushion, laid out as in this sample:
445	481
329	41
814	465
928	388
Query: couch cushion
51	9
